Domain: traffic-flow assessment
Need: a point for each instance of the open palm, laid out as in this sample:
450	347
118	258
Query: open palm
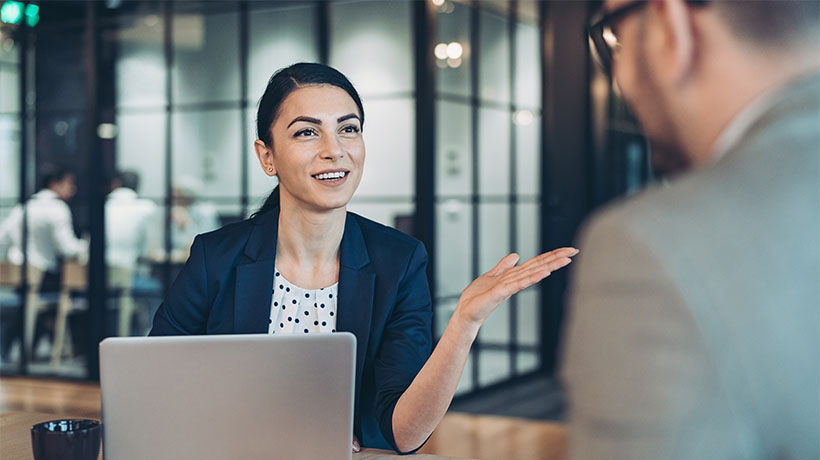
491	289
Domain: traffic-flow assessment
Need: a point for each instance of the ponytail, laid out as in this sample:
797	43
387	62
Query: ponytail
271	202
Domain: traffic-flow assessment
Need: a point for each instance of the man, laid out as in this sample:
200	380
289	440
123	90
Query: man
693	330
50	238
50	228
127	220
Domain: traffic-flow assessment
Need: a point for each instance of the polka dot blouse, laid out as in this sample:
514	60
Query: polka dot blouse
295	310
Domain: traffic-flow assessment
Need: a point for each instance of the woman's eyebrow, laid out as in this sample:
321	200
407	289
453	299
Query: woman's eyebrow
315	121
347	117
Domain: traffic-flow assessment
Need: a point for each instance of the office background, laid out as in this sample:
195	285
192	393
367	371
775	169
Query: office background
488	131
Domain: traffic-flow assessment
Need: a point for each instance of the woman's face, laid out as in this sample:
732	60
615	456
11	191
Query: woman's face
318	151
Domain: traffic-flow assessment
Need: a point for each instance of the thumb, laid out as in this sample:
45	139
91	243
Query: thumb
506	263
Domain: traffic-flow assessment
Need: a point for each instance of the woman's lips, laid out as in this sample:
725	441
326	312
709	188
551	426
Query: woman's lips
333	178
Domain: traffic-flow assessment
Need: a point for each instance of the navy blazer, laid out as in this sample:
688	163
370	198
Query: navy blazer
384	300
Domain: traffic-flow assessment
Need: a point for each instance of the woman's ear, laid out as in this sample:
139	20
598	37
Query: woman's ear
265	156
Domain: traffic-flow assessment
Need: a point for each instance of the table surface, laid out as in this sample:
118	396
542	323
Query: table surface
15	439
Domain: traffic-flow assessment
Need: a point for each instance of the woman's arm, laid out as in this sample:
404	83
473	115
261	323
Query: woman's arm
422	406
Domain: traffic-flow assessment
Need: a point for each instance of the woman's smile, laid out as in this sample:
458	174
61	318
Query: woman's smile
332	177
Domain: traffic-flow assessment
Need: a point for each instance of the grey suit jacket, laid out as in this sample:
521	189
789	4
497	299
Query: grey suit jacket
694	311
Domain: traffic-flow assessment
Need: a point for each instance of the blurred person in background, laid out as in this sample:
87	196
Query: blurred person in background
51	234
128	225
51	238
127	220
695	308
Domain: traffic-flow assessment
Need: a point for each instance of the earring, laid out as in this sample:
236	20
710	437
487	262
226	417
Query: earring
270	169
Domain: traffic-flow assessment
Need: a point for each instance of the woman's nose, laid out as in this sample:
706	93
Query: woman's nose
332	148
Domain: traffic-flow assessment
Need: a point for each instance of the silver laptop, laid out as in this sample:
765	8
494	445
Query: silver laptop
228	397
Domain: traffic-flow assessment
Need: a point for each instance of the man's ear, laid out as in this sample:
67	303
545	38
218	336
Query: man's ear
265	156
675	50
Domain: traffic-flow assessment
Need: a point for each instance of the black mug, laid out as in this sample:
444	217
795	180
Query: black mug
66	440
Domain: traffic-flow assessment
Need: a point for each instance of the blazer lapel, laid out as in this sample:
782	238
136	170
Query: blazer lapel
254	278
356	285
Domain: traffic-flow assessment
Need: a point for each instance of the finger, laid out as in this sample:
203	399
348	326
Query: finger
550	256
504	264
525	278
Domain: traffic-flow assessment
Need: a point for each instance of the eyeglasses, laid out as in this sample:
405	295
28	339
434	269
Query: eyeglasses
603	36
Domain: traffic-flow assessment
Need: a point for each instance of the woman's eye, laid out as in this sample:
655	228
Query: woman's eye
304	133
351	129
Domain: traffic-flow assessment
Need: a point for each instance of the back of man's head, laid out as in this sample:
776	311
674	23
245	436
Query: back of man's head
781	24
128	179
53	174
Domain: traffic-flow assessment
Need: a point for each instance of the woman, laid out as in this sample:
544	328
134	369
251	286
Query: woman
319	260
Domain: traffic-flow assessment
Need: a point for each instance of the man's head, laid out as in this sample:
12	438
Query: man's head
688	67
59	180
127	179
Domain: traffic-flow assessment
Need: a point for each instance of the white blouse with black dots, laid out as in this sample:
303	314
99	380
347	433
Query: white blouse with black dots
295	310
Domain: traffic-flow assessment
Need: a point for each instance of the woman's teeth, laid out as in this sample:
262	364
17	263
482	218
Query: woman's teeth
330	175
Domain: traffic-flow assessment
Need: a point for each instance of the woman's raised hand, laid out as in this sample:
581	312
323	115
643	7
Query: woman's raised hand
491	289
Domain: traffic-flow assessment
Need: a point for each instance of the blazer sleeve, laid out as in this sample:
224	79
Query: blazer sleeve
640	379
406	344
185	309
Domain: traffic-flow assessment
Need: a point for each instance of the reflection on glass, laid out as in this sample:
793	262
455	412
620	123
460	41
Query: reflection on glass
278	38
494	151
528	157
494	234
527	361
528	229
454	248
206	153
389	134
9	88
527	66
528	318
140	144
494	72
453	27
493	366
454	165
140	64
371	43
10	159
206	58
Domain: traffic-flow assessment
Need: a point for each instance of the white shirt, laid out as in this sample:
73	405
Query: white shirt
295	310
127	221
50	232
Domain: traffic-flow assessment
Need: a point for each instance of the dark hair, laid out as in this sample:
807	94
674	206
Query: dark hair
52	173
281	84
128	179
